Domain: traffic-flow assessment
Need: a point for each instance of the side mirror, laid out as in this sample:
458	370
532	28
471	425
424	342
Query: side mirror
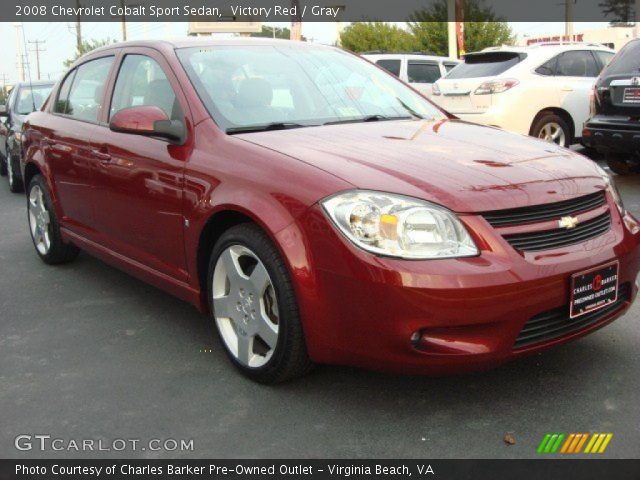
147	120
3	111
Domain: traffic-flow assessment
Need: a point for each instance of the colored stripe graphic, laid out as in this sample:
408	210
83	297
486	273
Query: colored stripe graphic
556	443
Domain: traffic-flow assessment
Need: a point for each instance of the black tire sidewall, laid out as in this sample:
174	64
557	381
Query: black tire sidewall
553	118
16	186
252	237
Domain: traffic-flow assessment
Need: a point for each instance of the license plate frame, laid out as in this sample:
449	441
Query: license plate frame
583	279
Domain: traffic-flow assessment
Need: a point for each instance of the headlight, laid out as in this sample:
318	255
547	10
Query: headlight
398	226
611	187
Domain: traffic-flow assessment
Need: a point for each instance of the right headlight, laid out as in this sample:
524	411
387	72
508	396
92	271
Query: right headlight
611	187
399	226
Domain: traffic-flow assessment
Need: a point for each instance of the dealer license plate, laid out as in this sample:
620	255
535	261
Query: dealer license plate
631	95
593	289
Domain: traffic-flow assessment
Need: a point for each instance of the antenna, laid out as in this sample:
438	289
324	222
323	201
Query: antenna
24	41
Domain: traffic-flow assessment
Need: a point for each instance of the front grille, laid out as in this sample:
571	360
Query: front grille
540	213
556	323
560	237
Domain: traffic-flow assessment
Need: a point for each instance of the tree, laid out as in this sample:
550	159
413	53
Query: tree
482	28
369	36
623	11
85	47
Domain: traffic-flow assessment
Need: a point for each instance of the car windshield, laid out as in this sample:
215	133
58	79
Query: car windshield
31	98
487	64
286	86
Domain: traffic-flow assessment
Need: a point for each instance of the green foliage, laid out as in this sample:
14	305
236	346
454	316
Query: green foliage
85	47
368	36
622	11
481	29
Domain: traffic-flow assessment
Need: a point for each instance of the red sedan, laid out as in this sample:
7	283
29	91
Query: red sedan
322	211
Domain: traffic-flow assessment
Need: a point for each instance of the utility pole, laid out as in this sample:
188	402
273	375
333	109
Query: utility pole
568	19
124	23
37	49
78	30
19	54
451	28
296	21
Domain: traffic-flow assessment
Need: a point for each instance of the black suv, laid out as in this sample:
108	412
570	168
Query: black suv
614	126
23	99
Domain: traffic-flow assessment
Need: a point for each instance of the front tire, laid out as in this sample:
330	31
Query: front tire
552	128
3	163
254	307
15	183
44	226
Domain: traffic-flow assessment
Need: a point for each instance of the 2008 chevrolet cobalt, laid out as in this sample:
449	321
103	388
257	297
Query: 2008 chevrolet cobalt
321	210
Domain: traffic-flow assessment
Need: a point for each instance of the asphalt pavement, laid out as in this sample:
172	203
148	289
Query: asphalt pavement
90	353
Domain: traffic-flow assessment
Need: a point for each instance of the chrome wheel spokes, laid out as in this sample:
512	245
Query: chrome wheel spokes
39	220
552	132
245	306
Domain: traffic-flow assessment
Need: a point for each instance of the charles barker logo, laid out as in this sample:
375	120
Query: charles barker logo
574	443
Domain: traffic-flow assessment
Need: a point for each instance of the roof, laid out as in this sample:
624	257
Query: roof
186	42
35	83
412	56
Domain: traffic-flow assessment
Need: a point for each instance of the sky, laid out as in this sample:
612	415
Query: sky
59	39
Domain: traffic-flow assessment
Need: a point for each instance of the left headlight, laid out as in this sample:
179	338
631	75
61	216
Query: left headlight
399	226
611	187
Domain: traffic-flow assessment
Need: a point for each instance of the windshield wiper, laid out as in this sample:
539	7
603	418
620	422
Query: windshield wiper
266	127
368	118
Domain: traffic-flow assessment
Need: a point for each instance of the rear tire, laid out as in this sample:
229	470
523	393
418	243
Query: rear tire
552	128
44	226
254	307
3	164
621	165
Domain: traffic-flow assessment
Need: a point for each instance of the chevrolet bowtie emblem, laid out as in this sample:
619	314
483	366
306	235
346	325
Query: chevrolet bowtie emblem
568	222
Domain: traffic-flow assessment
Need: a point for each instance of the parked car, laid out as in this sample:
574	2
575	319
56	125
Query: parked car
541	90
25	97
614	126
323	212
421	71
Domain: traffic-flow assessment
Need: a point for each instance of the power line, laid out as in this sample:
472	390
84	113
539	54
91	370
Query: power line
37	49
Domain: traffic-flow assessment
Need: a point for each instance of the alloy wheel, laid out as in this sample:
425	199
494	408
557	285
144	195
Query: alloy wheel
553	132
39	220
245	306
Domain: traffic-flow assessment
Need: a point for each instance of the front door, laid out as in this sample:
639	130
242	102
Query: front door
139	180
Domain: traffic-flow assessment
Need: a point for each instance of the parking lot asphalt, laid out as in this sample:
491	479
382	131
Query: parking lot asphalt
88	352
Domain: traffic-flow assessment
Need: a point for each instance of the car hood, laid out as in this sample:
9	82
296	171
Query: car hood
465	167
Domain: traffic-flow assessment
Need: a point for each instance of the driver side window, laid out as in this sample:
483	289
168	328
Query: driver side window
141	81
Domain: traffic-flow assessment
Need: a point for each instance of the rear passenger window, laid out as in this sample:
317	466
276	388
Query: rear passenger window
392	66
548	68
141	81
423	72
62	103
85	98
605	57
577	63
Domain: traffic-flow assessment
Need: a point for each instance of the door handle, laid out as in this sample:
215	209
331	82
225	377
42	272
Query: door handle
101	155
567	88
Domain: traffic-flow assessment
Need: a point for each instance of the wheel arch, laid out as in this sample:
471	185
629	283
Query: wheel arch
31	169
562	113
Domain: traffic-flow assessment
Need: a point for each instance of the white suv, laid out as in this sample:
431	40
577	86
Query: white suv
420	71
541	90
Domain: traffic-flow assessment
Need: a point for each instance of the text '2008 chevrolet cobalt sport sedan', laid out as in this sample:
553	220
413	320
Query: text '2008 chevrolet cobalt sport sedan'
321	210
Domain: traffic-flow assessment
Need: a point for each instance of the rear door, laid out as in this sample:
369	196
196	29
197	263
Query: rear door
576	72
459	85
140	179
68	142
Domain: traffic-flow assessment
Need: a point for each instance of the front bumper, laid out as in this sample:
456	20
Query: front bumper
612	135
362	310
